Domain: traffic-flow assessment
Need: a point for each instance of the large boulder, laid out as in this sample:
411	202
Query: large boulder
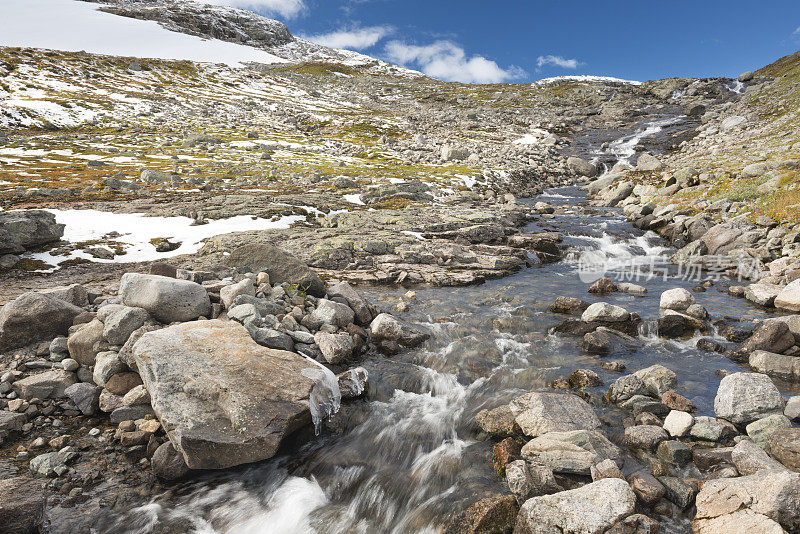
721	239
676	299
605	313
279	264
591	509
22	506
386	327
20	230
223	399
581	166
167	299
744	397
573	452
87	342
789	297
34	317
766	502
356	302
539	412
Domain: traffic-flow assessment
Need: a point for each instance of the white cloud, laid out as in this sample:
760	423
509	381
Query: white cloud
558	61
285	8
448	61
356	39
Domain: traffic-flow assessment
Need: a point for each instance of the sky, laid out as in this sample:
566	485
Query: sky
526	40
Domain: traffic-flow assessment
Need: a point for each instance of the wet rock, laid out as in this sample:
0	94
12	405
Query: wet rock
386	327
646	487
353	382
569	306
591	509
678	299
573	452
597	342
584	378
784	445
497	421
675	326
167	299
636	524
678	492
706	459
503	453
168	464
34	317
489	515
22	506
745	397
223	399
633	289
281	266
674	452
47	385
538	413
604	286
763	502
52	464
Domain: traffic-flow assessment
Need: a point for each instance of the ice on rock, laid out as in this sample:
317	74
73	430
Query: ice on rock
325	398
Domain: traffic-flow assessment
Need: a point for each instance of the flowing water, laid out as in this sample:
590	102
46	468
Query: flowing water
408	455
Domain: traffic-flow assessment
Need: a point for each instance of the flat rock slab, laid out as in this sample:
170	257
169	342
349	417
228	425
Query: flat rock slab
223	399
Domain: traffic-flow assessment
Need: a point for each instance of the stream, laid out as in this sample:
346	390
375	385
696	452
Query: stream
408	455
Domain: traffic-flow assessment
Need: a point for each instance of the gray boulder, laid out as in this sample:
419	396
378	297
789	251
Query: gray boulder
223	399
354	300
279	264
34	317
538	413
47	385
789	297
386	327
591	509
581	167
334	347
167	299
329	312
119	326
86	342
605	312
744	397
20	230
85	396
573	452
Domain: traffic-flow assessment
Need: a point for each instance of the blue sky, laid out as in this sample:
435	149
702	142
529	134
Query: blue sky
480	41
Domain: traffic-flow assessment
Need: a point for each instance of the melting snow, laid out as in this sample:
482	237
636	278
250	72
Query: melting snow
73	26
586	78
136	231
